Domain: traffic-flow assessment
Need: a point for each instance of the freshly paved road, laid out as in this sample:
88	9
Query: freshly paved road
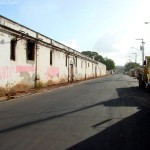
109	113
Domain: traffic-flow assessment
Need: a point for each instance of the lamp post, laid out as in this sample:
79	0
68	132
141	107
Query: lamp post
142	49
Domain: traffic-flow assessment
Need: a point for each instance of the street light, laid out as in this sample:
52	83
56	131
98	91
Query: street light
142	49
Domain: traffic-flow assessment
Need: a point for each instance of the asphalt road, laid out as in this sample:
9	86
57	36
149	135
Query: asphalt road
109	113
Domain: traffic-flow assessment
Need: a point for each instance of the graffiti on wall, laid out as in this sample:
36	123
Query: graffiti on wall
8	71
52	72
25	69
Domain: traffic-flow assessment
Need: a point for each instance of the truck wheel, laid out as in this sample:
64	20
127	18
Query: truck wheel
141	84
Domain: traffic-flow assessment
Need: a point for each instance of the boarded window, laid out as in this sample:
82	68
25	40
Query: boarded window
30	50
51	57
13	44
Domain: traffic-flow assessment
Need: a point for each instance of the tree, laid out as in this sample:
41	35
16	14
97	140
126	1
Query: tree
131	65
110	65
99	58
90	54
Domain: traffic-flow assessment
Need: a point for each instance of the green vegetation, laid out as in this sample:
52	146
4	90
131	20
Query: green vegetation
130	65
40	85
110	65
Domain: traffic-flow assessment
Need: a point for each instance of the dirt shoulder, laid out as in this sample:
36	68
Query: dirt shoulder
17	94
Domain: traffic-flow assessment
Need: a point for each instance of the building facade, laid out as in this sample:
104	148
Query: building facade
28	57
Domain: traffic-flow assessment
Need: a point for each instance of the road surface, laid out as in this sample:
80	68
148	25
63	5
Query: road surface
109	113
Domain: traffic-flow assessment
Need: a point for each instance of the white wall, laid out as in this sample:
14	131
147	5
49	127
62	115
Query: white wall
18	71
24	71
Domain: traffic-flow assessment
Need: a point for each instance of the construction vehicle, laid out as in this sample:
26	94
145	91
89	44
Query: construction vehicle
143	74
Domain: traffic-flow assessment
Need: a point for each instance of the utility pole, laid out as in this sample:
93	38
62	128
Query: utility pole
142	49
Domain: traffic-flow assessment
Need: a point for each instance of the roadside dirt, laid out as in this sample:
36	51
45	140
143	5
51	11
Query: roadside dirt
14	95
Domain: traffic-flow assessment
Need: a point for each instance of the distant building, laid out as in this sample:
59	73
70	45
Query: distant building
28	57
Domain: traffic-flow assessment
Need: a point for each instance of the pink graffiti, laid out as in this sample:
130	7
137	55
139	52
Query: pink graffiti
52	71
6	72
25	69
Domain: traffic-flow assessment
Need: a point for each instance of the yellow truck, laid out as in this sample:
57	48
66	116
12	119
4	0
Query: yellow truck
143	73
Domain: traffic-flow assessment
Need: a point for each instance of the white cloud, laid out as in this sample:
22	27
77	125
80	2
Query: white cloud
72	44
115	44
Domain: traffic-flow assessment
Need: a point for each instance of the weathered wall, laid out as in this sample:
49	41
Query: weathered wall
20	70
25	71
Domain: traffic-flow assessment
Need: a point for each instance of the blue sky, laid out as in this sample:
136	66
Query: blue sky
109	27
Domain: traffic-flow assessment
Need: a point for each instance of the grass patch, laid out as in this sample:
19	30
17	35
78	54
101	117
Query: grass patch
40	85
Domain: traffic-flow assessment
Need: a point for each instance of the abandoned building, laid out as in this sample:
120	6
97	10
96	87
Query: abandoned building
28	57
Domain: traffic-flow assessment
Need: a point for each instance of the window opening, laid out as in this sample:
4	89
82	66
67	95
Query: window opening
51	57
13	44
30	50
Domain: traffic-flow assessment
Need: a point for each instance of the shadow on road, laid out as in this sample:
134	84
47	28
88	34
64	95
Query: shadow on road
132	132
131	97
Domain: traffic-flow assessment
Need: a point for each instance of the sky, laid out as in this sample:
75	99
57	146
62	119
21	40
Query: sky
109	27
